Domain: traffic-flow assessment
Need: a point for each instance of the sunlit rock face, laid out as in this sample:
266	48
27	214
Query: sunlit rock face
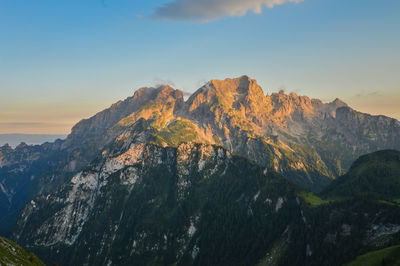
306	140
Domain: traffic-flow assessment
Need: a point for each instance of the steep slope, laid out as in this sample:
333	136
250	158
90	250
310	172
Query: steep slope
196	204
389	256
376	173
20	169
306	140
30	170
12	254
337	232
143	204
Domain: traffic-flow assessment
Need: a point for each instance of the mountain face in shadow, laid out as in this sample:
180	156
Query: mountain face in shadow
376	174
197	204
64	187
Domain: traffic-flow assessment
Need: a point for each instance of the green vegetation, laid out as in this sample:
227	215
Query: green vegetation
312	199
216	211
275	253
387	202
177	132
12	254
126	121
376	174
388	257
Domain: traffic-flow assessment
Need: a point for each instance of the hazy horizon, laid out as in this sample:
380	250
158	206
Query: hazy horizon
14	139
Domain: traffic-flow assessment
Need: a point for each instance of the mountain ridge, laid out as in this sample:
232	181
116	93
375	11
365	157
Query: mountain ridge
306	140
196	204
376	174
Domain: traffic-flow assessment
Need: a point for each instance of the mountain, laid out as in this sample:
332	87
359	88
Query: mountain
307	141
31	139
302	138
377	173
144	204
12	254
196	204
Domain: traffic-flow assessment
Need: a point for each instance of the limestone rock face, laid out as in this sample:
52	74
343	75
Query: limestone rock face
306	140
144	204
198	204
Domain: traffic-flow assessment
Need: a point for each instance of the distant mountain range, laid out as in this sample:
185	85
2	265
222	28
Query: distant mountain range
228	176
31	139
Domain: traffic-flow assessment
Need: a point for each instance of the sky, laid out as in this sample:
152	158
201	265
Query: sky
65	60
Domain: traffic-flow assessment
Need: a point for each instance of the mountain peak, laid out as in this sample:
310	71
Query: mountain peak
165	91
161	92
339	102
242	85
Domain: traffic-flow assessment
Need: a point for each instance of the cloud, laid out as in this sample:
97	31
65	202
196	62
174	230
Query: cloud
364	94
208	10
162	82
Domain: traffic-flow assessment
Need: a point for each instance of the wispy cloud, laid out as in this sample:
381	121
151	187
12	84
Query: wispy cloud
162	82
364	94
208	10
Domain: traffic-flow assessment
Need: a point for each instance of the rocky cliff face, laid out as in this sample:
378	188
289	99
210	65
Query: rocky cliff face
30	170
305	139
144	204
196	204
308	141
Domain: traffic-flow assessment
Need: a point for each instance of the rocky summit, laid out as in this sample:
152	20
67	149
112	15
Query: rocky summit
227	177
308	141
305	140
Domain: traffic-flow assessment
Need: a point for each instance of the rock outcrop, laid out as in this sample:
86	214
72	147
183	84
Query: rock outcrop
306	140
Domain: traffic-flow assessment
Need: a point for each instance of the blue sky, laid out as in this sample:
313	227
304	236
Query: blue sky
64	60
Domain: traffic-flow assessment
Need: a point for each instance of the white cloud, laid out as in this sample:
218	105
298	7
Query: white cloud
207	10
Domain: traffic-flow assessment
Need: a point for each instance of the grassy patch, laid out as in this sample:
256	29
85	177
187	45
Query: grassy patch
274	254
177	132
126	121
388	256
12	254
387	202
312	199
